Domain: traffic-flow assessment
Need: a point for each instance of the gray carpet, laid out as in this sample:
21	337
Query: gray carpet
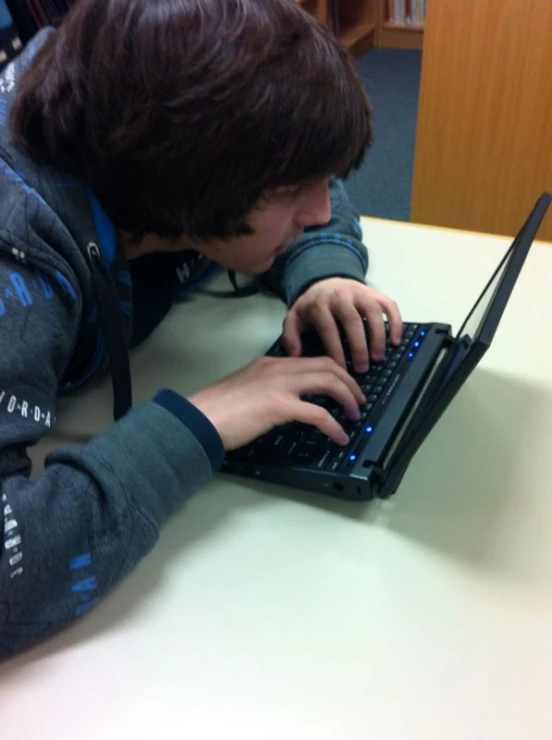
382	187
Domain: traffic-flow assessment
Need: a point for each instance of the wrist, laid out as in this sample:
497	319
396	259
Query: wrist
196	421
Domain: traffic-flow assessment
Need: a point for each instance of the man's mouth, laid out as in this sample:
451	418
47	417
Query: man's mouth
282	248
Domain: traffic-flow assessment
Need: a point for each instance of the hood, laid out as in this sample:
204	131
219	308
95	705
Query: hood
51	221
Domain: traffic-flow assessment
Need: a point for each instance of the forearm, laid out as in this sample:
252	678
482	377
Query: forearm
91	516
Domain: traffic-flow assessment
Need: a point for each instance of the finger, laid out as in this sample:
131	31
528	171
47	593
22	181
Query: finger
328	383
349	381
316	416
376	330
395	320
291	338
315	366
354	328
324	323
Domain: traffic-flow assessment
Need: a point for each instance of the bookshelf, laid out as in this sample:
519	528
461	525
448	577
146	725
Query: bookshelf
400	24
364	24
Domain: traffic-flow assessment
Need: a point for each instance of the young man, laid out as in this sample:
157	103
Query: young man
142	146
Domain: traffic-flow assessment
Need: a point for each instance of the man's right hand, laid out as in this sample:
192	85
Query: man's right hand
267	393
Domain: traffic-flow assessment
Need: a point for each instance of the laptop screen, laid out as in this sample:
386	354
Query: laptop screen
482	321
465	356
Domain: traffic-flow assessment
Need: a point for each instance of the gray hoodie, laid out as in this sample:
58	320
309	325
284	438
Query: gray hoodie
96	511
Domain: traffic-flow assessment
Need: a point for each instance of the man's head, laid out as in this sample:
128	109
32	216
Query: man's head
186	116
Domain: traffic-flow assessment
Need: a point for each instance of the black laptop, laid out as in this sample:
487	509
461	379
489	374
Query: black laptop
406	394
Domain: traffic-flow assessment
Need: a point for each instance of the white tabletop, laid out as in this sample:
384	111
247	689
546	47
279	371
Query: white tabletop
270	613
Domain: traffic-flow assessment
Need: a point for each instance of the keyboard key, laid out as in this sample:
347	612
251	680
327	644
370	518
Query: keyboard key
280	440
292	447
299	431
311	446
322	463
321	439
335	461
302	457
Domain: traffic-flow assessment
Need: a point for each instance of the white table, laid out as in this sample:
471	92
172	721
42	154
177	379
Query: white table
265	613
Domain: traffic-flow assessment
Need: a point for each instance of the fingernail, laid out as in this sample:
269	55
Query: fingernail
355	415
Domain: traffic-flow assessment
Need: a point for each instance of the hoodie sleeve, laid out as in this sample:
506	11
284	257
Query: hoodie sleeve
95	511
333	250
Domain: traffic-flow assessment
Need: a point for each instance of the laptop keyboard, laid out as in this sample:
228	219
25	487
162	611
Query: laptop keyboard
301	445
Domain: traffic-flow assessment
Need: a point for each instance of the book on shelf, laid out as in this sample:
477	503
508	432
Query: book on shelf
406	12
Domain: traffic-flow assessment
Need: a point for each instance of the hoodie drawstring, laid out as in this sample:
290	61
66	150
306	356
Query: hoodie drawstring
114	332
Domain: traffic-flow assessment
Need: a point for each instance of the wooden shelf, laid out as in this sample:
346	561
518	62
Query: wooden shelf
357	24
402	27
358	38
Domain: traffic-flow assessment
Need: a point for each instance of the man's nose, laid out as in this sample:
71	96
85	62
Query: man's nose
316	209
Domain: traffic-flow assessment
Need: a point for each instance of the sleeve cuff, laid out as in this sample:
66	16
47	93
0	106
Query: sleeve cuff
196	422
320	261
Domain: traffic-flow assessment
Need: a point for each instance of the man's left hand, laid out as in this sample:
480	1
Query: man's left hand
343	302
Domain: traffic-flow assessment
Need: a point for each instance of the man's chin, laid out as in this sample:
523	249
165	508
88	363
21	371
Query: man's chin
256	270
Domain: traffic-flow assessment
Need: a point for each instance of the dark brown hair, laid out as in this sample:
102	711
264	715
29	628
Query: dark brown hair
180	114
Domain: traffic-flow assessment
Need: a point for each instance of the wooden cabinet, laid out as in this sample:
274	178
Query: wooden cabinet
484	141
